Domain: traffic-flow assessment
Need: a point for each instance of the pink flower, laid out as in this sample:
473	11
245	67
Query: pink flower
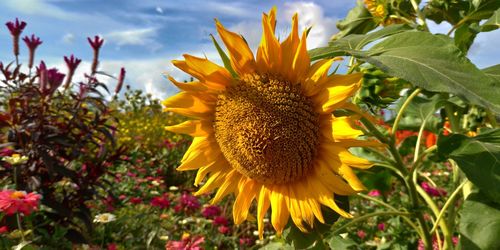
361	234
220	221
245	241
4	229
188	203
16	28
432	191
224	229
211	211
161	202
381	226
6	152
187	243
13	201
374	193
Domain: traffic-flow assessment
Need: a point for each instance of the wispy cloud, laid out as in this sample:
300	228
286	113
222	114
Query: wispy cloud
140	37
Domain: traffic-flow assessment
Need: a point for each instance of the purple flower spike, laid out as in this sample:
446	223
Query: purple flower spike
96	43
72	62
50	79
121	78
16	28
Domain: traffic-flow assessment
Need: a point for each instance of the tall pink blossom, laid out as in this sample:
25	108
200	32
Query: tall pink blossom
13	201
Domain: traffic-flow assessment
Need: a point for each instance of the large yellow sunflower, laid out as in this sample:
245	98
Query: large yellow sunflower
264	130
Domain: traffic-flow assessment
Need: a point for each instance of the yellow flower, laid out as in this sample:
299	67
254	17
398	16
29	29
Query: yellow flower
264	129
16	159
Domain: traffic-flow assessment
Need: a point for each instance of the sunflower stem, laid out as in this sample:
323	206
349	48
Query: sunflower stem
450	201
382	203
402	109
367	216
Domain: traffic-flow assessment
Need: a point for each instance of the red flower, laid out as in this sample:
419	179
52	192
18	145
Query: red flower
246	241
374	193
220	221
187	203
211	211
401	135
135	200
224	229
381	226
112	246
430	139
161	202
361	234
4	229
13	201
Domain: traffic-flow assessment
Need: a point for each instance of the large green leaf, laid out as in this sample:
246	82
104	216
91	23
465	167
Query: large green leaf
480	223
478	157
493	71
493	23
355	42
358	21
434	63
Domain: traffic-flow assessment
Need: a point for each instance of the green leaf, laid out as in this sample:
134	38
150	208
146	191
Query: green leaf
493	71
339	243
277	246
493	23
478	157
355	42
358	21
465	35
434	63
480	223
482	9
224	57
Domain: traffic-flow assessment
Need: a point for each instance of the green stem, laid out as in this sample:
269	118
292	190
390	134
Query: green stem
432	205
419	141
419	14
417	161
405	218
454	122
366	216
402	109
450	201
20	227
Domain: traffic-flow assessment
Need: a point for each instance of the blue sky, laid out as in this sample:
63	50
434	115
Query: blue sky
144	36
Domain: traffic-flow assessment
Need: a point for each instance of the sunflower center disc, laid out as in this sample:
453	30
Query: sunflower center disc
267	129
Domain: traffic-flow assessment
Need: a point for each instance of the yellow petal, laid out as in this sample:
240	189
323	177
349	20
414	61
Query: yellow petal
351	178
262	207
354	161
228	186
193	128
188	86
247	191
214	181
295	211
334	183
338	128
210	74
219	164
199	159
288	47
330	202
269	52
242	59
336	91
188	104
316	75
301	60
279	209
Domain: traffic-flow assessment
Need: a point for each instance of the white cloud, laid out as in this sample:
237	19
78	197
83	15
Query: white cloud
68	38
135	37
159	10
311	15
251	30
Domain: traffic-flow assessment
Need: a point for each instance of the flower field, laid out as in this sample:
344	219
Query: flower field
275	148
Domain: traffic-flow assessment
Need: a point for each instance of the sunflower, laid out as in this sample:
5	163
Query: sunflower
263	128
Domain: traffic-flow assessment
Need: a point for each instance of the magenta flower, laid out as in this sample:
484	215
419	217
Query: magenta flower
161	201
32	42
224	229
16	28
374	193
432	191
121	78
96	43
135	200
4	229
187	203
50	79
381	226
13	201
72	63
361	234
211	211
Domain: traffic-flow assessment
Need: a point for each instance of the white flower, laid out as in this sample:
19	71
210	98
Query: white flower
173	188
155	183
164	237
154	192
104	218
16	159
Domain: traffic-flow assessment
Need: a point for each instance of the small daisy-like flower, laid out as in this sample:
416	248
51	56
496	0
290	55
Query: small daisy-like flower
263	128
15	159
13	201
104	218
